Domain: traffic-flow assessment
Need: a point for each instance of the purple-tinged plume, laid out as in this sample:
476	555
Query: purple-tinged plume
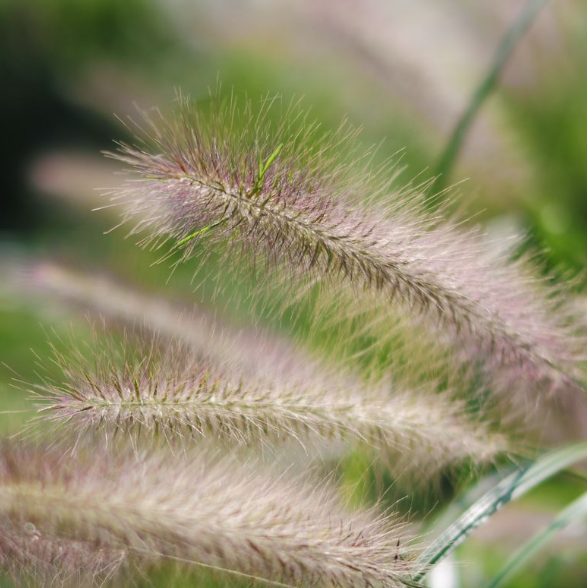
35	558
276	192
201	510
157	391
108	298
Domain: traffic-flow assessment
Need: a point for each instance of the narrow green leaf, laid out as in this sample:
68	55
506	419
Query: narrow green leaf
510	488
484	90
263	170
199	232
270	161
575	511
466	499
260	161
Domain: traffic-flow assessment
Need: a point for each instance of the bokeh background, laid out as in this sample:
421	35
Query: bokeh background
403	70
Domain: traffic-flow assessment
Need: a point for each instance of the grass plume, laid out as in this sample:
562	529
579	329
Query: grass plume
157	390
201	510
278	193
105	296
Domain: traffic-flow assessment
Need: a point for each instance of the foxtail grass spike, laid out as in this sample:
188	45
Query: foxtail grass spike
204	510
276	192
107	297
159	391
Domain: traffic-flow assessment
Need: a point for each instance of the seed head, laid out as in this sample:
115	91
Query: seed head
159	391
201	509
276	194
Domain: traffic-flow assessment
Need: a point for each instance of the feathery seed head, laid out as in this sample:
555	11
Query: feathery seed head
107	297
278	193
202	510
163	392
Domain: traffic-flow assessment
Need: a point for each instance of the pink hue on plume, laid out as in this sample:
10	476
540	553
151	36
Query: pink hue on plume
278	194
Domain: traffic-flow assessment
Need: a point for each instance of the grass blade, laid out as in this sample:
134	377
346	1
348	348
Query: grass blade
510	488
484	90
576	510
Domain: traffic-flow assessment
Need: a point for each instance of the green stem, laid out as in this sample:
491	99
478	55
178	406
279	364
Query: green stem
484	89
199	232
574	512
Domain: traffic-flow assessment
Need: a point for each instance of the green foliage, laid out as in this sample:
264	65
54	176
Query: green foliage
575	512
550	124
510	488
67	34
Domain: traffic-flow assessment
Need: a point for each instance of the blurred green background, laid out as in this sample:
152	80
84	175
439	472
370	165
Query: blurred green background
403	70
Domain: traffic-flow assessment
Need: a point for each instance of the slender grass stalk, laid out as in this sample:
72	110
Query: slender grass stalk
201	510
487	85
159	392
278	196
575	512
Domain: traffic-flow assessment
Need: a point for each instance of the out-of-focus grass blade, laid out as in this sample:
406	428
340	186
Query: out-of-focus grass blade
484	90
575	511
466	499
510	488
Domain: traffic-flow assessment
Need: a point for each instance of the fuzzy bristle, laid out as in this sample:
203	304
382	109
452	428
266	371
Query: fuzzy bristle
118	303
34	558
163	392
274	192
201	510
